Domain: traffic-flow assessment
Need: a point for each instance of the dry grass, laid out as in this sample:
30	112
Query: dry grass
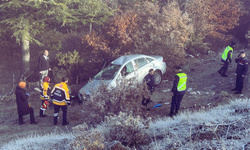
34	142
223	127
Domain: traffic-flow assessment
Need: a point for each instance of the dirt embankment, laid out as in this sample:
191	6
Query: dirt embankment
205	88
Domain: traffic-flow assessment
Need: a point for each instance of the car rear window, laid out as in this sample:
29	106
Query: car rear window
149	59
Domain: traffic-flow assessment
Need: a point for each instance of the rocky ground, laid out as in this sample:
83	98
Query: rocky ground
205	88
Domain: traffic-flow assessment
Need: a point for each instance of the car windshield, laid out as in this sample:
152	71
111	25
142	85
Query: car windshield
108	73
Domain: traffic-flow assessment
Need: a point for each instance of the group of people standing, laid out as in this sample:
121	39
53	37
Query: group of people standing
180	79
177	92
241	69
59	95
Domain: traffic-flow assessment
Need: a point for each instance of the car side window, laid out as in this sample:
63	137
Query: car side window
149	59
140	62
127	69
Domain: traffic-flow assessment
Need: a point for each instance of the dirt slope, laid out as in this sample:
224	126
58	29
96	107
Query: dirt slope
205	88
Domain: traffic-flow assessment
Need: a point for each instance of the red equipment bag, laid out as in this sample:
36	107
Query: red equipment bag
45	104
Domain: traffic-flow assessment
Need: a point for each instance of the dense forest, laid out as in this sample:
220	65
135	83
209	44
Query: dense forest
83	34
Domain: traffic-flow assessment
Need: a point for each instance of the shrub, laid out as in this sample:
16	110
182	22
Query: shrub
127	129
125	97
212	21
87	139
75	59
69	63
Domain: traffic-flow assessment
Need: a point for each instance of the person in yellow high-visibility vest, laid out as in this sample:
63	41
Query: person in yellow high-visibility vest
44	96
178	90
226	58
61	99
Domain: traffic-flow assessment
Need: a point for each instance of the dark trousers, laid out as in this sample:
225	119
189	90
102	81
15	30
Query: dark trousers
145	101
32	117
224	68
176	103
239	82
151	89
56	110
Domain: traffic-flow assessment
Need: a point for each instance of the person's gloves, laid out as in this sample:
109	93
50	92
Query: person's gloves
28	94
69	104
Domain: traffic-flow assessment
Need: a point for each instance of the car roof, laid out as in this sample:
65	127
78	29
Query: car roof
126	58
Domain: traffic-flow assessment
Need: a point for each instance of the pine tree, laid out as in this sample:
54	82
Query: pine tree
26	18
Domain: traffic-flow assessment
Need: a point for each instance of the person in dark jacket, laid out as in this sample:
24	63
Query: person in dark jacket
23	107
241	72
226	59
178	90
150	81
43	65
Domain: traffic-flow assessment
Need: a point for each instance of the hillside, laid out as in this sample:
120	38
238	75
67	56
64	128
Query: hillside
206	89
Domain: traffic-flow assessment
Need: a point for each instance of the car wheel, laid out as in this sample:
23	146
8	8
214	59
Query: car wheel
157	77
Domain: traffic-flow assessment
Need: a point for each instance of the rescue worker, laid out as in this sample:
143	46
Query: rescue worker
178	90
226	58
23	108
44	96
60	95
149	79
241	72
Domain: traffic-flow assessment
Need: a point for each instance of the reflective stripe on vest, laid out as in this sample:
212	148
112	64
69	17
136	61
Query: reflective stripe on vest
227	49
182	82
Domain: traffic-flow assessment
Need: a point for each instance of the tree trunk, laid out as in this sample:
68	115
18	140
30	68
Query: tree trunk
25	54
90	27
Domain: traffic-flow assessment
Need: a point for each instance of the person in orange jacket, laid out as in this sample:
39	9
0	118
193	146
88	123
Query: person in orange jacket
44	96
23	108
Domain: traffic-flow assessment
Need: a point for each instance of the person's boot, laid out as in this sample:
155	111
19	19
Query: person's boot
42	113
219	71
34	122
65	123
55	120
235	89
238	92
224	75
171	114
21	123
176	112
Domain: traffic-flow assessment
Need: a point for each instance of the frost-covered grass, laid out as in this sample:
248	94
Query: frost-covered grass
37	142
223	127
224	121
229	124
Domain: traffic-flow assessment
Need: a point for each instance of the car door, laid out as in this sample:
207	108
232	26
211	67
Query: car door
142	66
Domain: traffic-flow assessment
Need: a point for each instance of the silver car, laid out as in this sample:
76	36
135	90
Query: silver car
126	67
